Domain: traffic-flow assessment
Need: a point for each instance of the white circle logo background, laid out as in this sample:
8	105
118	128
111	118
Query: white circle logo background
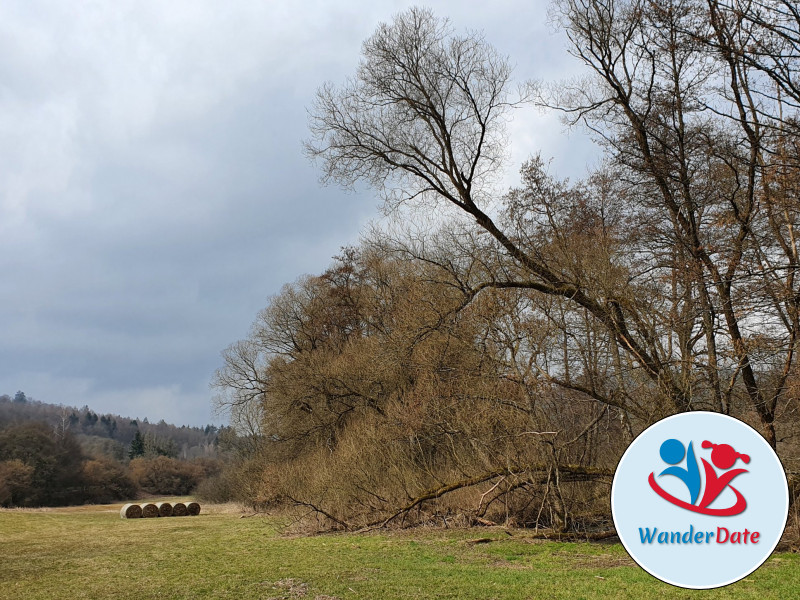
637	508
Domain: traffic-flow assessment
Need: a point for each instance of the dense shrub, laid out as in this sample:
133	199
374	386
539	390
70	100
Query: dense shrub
164	475
237	481
106	481
15	481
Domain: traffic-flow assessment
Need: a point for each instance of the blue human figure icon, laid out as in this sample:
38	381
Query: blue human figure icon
672	452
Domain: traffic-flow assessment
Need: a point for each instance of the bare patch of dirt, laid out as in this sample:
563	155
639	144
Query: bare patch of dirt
290	588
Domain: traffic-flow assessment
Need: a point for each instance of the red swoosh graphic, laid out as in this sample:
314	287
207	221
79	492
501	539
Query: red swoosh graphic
737	508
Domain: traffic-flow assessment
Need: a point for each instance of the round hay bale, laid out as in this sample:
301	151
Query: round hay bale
179	510
164	509
193	508
149	510
130	511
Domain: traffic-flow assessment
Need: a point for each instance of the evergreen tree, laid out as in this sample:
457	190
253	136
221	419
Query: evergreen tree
137	446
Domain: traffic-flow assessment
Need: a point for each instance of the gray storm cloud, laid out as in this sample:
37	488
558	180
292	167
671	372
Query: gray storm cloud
153	193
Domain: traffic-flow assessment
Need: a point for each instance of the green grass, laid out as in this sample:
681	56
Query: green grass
89	552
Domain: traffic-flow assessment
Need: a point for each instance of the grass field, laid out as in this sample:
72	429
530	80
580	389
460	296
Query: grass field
89	552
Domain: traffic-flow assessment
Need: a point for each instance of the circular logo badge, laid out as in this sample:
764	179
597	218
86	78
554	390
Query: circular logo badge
699	500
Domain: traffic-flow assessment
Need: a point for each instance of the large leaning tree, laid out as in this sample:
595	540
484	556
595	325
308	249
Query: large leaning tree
679	257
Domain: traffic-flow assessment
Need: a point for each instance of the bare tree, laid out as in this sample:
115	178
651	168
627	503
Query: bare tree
684	97
424	117
694	103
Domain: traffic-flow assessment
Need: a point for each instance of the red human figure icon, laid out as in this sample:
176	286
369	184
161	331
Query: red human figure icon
724	457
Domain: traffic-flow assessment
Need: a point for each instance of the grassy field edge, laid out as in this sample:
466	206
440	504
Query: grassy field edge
89	552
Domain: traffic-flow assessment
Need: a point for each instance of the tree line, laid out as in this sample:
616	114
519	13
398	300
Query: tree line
54	455
112	431
491	355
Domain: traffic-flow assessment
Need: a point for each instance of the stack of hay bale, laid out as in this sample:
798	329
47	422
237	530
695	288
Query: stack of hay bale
161	509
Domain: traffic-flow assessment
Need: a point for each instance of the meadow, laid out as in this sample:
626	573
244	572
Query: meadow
89	552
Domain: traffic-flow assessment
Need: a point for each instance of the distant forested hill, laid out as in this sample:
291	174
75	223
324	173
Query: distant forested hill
111	434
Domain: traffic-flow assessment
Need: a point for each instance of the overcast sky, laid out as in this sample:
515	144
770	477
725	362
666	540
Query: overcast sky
153	193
